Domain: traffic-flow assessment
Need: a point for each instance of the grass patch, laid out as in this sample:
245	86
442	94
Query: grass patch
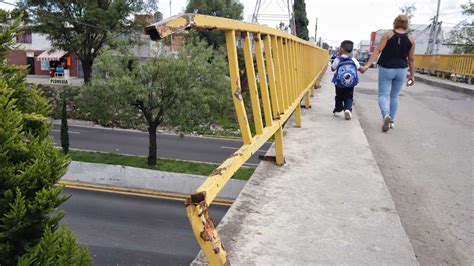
166	165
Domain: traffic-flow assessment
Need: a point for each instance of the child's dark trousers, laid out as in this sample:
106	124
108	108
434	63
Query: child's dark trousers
343	99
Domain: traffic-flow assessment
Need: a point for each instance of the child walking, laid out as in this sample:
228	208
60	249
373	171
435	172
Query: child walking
345	78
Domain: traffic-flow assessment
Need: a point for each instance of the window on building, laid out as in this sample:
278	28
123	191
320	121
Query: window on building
24	38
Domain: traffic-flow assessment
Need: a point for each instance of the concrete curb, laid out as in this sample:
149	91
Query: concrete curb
139	180
136	192
445	84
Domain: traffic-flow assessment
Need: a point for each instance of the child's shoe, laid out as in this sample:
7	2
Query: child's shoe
391	125
347	115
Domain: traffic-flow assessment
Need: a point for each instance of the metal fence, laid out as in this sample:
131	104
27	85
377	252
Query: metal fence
288	68
455	65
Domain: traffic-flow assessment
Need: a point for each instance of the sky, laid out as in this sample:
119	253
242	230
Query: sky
342	19
347	19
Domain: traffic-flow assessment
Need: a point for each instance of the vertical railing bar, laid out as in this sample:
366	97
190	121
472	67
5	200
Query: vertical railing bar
292	53
284	63
295	71
262	76
252	82
269	55
290	72
298	54
236	87
279	72
303	77
301	67
291	61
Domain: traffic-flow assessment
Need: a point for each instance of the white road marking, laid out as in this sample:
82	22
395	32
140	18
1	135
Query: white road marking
70	131
236	139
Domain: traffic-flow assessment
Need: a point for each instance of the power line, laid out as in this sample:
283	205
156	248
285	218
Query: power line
282	9
451	13
261	6
266	7
3	1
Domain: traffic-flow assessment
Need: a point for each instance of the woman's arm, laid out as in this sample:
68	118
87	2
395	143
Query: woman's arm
378	50
411	63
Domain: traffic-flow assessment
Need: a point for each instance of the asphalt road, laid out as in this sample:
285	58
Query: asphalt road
191	148
132	230
427	162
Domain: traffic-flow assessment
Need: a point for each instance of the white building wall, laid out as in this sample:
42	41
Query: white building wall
38	42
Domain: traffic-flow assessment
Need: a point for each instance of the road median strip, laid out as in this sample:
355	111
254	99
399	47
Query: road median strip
168	165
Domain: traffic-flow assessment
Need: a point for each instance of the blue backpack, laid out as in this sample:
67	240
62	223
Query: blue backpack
346	73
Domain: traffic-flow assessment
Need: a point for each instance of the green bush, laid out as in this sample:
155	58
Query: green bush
30	167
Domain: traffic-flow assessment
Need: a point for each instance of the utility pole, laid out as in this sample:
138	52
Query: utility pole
291	13
316	31
171	35
256	11
434	32
438	31
259	15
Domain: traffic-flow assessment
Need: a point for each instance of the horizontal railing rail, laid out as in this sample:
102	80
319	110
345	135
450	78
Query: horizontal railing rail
457	64
288	69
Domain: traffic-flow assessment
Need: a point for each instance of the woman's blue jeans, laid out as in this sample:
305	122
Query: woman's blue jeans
391	81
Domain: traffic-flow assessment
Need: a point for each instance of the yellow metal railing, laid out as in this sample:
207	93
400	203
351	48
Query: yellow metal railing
458	64
288	70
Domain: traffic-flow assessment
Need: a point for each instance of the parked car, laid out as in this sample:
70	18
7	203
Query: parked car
362	61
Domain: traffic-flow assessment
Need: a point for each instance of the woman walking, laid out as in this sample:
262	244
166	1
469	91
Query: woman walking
397	53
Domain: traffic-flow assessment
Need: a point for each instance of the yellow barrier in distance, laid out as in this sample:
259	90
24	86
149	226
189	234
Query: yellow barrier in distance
457	64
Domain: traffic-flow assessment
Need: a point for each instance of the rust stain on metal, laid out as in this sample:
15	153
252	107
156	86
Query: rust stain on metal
238	94
209	233
236	154
218	171
166	28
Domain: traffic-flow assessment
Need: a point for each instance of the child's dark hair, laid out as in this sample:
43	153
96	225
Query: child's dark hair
347	46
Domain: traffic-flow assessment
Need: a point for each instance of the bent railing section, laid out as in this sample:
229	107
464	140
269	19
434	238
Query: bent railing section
288	69
461	65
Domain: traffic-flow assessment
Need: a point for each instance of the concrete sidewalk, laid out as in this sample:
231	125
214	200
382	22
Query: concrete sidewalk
328	204
445	84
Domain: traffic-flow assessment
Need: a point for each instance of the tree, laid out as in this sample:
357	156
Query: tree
230	9
184	89
64	126
408	10
30	167
283	27
82	27
300	19
325	45
461	36
56	248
